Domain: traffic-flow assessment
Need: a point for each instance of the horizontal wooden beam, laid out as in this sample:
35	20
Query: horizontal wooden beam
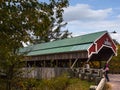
74	55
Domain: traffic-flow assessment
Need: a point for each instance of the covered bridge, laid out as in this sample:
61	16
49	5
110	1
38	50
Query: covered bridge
71	52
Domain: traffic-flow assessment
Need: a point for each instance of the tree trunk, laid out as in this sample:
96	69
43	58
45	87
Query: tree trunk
8	85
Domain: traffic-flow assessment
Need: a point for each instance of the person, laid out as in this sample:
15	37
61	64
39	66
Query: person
106	71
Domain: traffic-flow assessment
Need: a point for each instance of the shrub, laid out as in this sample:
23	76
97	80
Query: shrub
59	83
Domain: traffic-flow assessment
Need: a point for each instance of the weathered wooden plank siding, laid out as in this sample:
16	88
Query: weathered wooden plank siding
44	73
73	55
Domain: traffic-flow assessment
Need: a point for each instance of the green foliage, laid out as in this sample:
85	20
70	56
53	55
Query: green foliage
58	83
78	84
20	21
30	83
54	10
114	63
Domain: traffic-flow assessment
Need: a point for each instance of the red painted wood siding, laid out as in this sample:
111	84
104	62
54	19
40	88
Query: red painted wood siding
100	42
92	49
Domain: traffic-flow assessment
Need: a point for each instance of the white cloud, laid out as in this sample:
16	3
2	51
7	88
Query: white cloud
83	19
105	24
118	16
78	27
84	12
116	36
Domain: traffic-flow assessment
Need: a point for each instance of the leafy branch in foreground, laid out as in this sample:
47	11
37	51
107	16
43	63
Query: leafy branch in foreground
21	21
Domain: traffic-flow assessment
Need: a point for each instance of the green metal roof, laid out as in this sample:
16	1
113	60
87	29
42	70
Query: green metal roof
60	50
66	45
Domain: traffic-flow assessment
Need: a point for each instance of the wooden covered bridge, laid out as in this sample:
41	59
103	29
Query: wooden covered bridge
69	53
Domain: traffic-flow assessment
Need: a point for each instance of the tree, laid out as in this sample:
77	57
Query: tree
20	21
55	14
114	63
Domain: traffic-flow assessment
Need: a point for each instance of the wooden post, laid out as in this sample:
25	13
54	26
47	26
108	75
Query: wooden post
51	63
44	63
109	58
100	64
74	63
26	64
56	63
70	62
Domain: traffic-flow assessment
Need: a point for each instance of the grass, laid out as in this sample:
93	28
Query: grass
59	83
64	83
79	84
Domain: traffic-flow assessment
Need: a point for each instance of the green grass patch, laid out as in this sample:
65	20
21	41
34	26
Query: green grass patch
79	84
62	83
58	83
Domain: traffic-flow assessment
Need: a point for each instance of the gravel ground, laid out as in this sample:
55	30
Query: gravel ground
115	81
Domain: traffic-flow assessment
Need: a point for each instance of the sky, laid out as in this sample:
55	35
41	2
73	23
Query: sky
88	16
